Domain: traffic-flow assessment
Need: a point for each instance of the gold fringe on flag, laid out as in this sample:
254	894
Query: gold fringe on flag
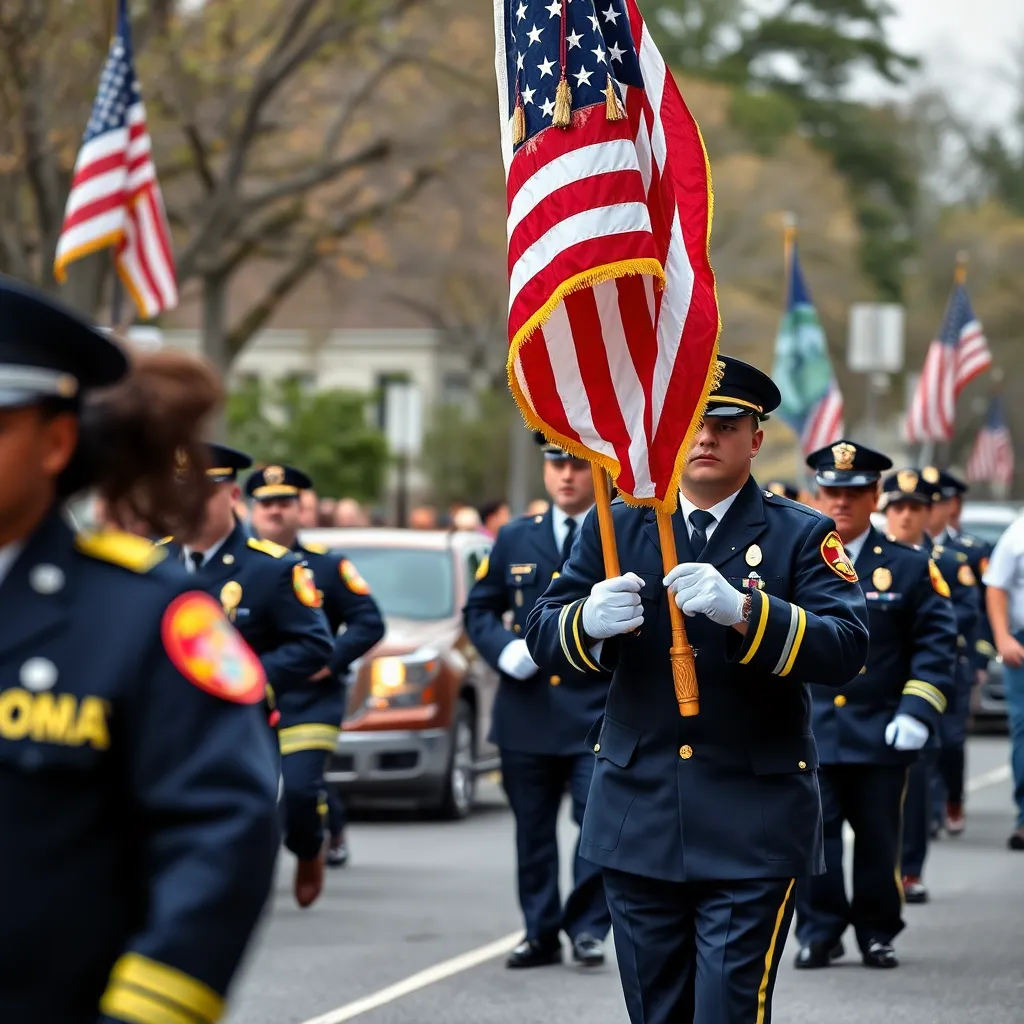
563	104
612	106
518	122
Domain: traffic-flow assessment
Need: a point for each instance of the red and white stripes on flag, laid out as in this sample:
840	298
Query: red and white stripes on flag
957	355
825	423
115	198
613	317
991	457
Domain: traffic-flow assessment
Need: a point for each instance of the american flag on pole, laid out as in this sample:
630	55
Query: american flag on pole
992	455
613	318
812	403
115	198
954	359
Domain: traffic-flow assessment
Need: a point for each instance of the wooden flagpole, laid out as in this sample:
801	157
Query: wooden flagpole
684	669
603	497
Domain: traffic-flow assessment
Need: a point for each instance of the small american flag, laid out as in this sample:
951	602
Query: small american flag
954	359
613	318
992	455
115	198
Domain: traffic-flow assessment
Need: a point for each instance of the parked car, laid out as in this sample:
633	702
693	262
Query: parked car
419	706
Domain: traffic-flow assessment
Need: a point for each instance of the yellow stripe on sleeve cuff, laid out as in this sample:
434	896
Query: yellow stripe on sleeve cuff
312	736
563	636
587	660
926	691
798	639
762	625
150	992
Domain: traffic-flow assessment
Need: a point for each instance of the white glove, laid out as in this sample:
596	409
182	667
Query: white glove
701	589
613	607
515	661
905	732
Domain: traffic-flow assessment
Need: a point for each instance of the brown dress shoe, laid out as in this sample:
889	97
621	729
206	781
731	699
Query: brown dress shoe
309	880
955	819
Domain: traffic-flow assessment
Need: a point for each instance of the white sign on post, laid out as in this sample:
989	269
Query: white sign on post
403	418
875	342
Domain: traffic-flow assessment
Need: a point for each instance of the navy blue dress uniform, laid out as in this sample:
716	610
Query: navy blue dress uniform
863	778
137	780
539	724
702	824
311	715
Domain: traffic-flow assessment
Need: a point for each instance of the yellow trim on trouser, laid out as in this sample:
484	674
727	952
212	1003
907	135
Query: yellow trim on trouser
926	691
140	1008
311	736
762	624
801	626
562	638
576	636
899	842
769	957
152	979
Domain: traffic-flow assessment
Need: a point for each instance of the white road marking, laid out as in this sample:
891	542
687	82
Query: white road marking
438	972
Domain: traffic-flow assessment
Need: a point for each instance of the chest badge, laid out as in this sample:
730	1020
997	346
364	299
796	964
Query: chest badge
753	555
38	674
229	559
230	597
881	578
46	579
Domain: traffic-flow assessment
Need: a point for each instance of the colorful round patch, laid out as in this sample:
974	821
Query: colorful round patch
305	586
206	650
351	578
966	576
836	558
939	585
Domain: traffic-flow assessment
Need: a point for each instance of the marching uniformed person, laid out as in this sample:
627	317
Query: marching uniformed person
541	716
907	511
783	490
272	598
137	778
944	526
311	717
702	824
874	727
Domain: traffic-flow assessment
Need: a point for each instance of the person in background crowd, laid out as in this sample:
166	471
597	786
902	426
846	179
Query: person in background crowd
466	519
944	527
907	499
537	507
326	512
272	597
703	824
494	515
784	490
139	824
349	513
423	517
541	716
1004	598
309	509
311	718
870	730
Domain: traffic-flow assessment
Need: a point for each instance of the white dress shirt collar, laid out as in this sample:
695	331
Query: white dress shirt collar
560	523
856	546
208	555
718	511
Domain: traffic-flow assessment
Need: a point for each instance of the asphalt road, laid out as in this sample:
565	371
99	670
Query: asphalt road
415	929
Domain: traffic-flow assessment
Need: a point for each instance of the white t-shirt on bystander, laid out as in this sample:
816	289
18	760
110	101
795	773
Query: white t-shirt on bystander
1006	571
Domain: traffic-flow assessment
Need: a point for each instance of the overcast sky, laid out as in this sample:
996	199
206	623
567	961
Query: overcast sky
965	44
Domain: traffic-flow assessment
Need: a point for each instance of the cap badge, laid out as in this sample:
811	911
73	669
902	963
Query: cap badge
843	455
881	578
906	480
930	475
273	475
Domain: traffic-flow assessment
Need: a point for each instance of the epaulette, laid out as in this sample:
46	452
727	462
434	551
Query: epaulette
123	549
268	547
317	549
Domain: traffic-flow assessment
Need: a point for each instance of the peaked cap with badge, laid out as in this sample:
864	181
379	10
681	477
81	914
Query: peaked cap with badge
908	484
783	489
225	462
276	481
947	485
845	464
744	390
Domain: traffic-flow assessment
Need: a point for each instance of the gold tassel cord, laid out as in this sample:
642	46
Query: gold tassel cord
518	123
563	105
612	106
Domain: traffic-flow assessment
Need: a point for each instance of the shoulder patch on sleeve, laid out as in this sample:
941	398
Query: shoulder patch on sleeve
350	577
481	569
123	549
304	586
317	549
206	650
836	558
268	547
939	585
966	576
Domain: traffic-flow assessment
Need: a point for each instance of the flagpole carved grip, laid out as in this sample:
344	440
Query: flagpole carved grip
684	669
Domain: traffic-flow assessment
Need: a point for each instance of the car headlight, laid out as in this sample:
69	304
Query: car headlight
403	681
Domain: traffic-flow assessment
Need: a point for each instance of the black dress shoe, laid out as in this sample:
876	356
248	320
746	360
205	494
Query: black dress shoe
587	951
1016	840
531	953
837	951
814	955
914	890
881	954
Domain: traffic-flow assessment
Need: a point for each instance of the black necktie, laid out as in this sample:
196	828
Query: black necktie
700	521
196	558
570	532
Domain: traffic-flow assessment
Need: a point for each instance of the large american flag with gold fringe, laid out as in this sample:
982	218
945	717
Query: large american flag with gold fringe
613	318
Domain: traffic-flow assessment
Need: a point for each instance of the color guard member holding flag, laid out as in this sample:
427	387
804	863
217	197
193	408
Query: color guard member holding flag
703	824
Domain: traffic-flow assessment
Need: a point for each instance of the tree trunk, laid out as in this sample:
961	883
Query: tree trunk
215	340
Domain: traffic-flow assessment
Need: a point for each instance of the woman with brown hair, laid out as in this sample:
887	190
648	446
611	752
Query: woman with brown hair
138	781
